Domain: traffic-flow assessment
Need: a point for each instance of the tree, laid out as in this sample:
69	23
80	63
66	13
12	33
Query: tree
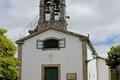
113	60
9	69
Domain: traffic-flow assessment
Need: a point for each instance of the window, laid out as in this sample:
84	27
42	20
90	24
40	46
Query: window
51	43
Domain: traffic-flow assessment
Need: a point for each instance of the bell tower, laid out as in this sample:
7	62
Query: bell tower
52	10
52	14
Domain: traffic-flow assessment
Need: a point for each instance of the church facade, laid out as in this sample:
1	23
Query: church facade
51	52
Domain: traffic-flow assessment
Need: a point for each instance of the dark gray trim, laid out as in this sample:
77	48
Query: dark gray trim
84	58
20	59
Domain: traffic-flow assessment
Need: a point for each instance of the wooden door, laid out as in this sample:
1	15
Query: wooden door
50	73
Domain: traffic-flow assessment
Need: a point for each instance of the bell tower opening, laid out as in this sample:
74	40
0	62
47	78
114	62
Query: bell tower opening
52	10
52	14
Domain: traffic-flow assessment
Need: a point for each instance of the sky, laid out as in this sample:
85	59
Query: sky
98	18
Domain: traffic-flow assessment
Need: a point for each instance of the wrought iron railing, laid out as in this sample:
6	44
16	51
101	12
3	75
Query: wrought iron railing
30	26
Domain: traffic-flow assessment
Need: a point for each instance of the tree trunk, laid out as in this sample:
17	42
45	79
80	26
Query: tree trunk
117	73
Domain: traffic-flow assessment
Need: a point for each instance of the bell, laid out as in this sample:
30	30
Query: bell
47	11
48	3
57	10
56	14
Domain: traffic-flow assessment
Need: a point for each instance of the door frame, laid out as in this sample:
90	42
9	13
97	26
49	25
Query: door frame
51	65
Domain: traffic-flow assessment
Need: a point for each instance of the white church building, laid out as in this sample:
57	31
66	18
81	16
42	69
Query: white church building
51	52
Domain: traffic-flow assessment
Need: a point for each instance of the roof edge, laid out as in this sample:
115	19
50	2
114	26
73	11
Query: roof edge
92	47
64	31
100	57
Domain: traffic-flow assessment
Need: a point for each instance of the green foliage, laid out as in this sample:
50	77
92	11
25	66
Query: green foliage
9	69
113	59
2	31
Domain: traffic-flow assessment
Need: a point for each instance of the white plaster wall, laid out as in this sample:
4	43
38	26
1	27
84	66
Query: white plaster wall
70	57
103	70
92	68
